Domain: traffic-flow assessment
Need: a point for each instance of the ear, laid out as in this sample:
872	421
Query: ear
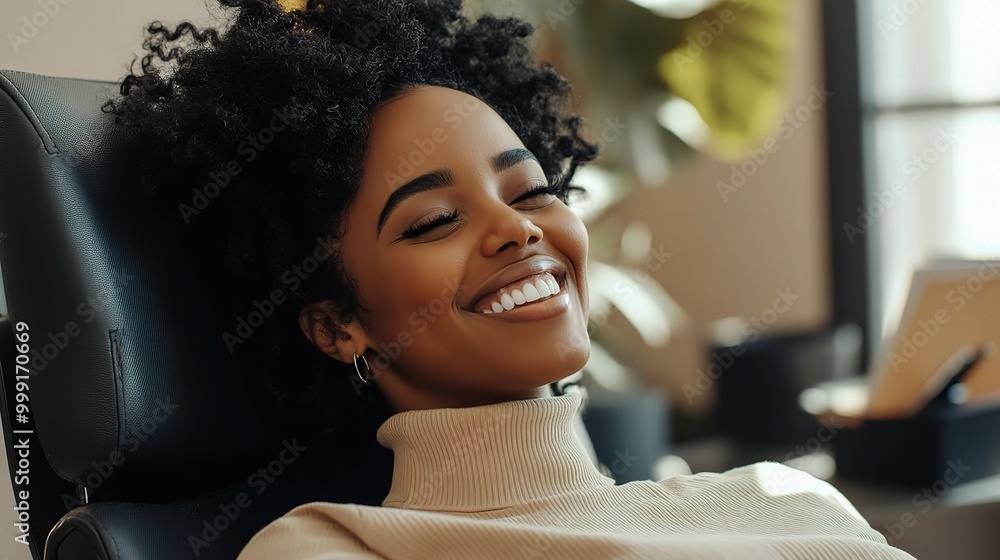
316	321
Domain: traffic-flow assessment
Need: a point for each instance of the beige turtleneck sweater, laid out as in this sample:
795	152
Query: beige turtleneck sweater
513	480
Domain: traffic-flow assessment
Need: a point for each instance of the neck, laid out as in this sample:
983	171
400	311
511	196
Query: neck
487	457
404	396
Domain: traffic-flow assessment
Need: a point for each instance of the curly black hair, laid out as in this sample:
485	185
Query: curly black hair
253	138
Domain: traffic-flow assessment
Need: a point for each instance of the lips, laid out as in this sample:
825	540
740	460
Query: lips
515	272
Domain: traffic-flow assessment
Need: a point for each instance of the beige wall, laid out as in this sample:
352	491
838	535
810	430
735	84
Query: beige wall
91	39
729	256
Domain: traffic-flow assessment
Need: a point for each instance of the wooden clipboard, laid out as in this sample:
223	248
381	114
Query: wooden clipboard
951	305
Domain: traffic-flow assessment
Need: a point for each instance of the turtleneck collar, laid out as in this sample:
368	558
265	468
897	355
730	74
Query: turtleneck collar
487	457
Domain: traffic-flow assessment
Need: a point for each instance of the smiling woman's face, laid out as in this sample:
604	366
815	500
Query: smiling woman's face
441	153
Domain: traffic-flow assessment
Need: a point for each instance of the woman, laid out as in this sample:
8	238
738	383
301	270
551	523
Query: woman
422	162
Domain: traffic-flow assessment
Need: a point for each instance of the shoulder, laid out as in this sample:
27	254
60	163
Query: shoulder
766	481
765	476
776	479
310	531
772	500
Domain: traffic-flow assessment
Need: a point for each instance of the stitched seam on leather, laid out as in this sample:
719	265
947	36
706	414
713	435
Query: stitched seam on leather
107	536
29	112
13	291
117	366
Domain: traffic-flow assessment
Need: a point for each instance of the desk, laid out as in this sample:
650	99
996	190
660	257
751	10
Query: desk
962	522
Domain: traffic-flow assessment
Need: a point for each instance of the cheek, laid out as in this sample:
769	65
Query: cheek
571	236
422	284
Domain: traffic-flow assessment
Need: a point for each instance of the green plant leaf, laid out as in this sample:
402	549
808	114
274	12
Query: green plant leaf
731	64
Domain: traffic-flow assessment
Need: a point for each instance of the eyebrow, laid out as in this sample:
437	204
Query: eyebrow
510	158
440	178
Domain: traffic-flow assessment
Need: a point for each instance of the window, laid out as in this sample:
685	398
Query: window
923	180
933	101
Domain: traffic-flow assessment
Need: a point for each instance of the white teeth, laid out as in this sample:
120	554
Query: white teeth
543	287
553	285
530	292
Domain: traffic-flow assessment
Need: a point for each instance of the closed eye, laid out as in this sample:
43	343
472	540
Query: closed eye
432	222
537	189
420	228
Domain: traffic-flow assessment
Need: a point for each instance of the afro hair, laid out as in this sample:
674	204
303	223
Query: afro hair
253	139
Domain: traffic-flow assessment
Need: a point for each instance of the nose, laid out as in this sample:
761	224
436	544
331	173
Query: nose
507	226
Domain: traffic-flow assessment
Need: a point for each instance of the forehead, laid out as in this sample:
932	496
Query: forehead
431	128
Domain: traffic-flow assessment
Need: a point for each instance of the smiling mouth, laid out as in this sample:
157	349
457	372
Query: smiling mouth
510	299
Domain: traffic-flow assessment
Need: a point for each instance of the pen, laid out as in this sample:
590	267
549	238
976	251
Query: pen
960	367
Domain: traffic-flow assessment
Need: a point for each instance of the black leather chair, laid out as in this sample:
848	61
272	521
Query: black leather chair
141	441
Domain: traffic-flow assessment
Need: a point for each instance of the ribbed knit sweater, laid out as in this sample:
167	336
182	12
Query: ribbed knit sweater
513	480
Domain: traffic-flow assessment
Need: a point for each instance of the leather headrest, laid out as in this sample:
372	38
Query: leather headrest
133	391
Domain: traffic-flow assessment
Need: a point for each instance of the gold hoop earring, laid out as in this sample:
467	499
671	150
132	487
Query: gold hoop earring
367	376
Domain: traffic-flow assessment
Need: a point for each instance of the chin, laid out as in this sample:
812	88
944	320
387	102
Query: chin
568	360
576	363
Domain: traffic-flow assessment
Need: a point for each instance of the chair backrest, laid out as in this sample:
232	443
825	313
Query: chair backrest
132	396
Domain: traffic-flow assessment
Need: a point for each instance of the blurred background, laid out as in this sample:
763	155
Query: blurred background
773	172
